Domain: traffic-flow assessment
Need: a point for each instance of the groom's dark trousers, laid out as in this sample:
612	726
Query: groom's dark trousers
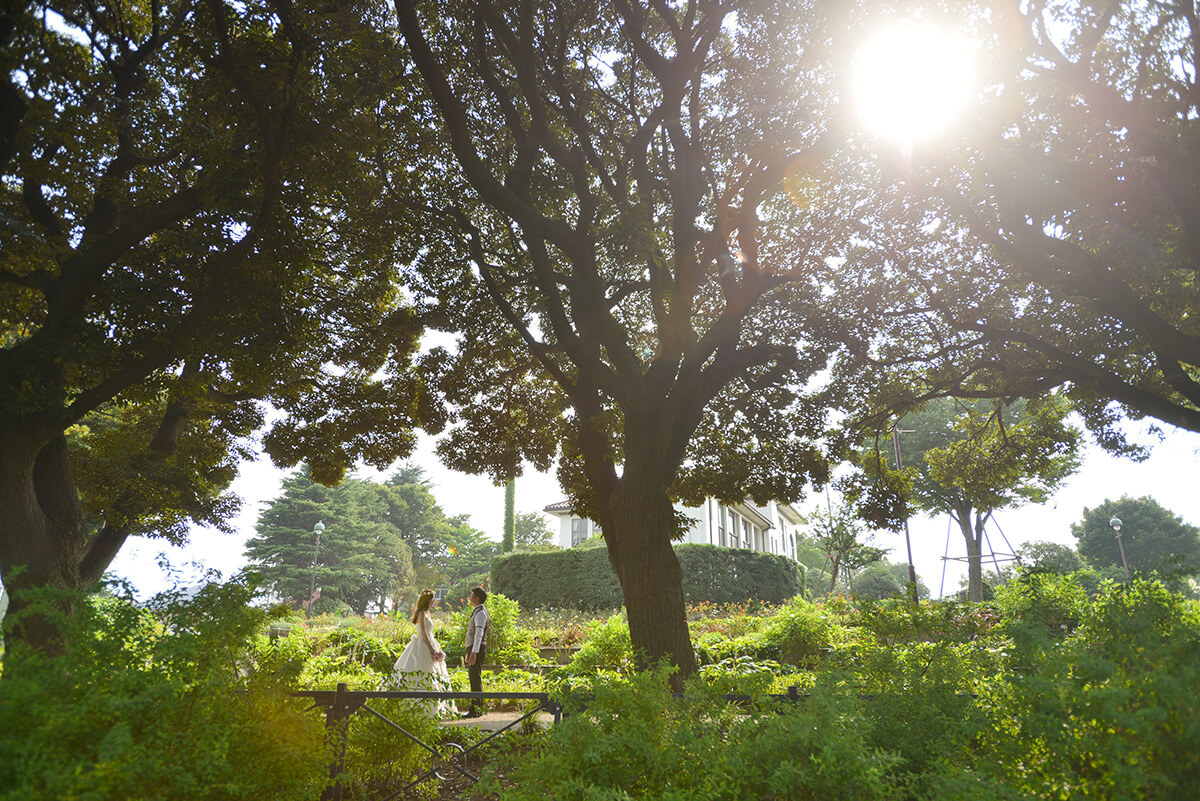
475	675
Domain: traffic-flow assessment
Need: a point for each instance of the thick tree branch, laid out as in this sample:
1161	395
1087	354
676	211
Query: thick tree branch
1095	378
458	127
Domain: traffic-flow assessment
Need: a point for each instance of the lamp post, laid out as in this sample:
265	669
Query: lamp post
312	584
1116	526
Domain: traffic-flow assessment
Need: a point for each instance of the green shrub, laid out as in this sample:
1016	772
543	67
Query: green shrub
163	704
508	642
350	645
583	578
896	621
380	759
1109	712
608	648
1053	604
711	649
732	575
800	634
637	741
577	578
740	675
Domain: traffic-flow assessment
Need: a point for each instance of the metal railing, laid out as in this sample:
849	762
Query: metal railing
341	704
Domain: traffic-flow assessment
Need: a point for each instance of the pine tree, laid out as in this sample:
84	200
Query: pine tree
363	560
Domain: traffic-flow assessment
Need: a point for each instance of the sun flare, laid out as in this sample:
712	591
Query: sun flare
911	82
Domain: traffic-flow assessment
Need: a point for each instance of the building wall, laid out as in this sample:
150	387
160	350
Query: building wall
712	523
571	528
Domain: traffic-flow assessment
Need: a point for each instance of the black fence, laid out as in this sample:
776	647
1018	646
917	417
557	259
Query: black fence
342	704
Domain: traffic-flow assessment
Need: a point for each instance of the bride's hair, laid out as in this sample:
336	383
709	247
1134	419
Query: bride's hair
423	604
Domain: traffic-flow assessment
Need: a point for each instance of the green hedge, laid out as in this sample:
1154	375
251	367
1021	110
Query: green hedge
581	578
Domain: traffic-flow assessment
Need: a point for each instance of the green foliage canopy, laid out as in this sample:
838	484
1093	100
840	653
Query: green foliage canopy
1054	240
970	459
378	540
606	161
363	561
1154	538
189	228
531	530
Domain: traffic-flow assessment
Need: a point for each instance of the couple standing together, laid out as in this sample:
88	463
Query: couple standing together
422	664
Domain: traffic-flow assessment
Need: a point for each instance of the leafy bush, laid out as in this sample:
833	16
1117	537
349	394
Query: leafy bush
637	741
157	705
1052	604
379	759
800	633
740	675
897	621
607	648
508	642
355	646
732	575
577	578
583	578
1109	712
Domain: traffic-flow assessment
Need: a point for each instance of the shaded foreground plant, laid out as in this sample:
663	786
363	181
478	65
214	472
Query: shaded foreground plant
637	740
158	705
1049	694
1109	712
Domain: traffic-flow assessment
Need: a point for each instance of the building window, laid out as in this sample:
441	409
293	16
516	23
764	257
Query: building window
579	531
721	515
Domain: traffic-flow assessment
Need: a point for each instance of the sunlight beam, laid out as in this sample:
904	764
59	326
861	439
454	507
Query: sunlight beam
911	82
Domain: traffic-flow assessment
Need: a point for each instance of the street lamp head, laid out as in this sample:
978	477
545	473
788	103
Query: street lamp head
319	527
1116	524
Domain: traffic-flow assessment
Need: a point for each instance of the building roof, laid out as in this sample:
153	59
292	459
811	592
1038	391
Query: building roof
558	508
788	511
754	513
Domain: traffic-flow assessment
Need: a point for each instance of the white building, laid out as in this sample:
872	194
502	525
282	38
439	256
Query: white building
771	529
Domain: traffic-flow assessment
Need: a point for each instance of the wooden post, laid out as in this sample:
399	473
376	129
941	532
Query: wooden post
333	720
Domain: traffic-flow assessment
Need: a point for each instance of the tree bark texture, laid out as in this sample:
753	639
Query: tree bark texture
972	532
639	525
42	537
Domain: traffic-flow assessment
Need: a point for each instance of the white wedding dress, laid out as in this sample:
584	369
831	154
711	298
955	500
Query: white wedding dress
416	669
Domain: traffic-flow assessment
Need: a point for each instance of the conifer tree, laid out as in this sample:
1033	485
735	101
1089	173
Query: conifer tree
363	560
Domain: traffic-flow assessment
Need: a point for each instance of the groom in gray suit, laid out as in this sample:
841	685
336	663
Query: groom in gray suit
476	645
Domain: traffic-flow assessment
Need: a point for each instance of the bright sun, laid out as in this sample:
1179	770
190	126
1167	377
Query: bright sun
911	82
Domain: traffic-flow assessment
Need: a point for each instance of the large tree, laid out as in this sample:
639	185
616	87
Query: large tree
410	507
1154	538
530	530
362	560
191	223
634	222
969	459
1067	244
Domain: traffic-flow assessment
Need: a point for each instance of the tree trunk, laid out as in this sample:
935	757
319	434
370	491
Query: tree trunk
974	542
639	525
44	547
41	534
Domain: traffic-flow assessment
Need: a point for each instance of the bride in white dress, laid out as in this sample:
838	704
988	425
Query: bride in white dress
422	663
